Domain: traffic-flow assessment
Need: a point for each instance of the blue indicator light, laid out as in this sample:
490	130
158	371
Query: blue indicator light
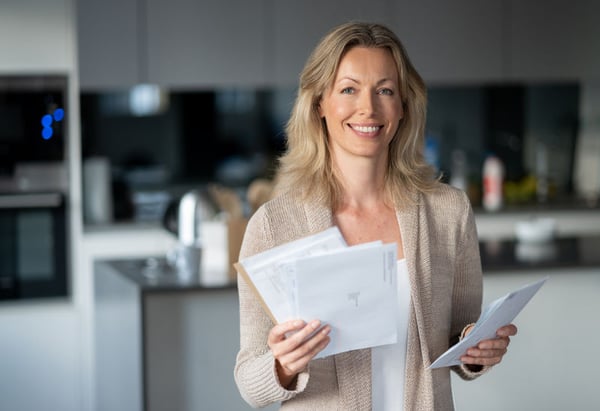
47	120
47	133
59	114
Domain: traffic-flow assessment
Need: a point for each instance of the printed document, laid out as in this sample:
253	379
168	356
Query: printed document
267	272
497	314
353	289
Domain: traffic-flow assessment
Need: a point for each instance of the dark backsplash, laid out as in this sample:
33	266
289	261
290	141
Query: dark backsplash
234	136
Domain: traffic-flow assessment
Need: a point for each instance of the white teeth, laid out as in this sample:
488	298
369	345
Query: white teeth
367	129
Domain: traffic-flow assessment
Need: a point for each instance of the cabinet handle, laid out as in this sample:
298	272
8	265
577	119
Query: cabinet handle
31	200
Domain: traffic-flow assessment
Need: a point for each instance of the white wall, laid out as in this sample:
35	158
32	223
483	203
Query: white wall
40	350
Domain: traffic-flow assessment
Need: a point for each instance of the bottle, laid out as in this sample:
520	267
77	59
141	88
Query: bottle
493	179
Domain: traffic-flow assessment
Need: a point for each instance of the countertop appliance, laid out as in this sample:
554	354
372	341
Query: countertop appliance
192	209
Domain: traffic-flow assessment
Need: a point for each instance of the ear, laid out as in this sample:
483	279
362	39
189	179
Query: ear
403	108
320	109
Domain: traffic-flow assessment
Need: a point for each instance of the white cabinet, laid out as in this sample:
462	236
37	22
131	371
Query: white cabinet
109	40
298	26
178	43
214	43
541	370
35	36
207	43
452	42
554	40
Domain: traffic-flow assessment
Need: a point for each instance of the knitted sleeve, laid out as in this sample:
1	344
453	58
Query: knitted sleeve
468	285
254	372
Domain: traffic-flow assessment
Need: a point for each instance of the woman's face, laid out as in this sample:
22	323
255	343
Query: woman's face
363	107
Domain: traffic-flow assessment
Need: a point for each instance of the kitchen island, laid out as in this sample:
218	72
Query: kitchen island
552	363
162	342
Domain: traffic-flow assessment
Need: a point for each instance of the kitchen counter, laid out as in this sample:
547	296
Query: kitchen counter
143	310
562	252
570	222
559	326
154	274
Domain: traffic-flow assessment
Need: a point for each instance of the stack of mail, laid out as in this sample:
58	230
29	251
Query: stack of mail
351	288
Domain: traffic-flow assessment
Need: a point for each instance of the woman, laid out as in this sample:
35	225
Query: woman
354	159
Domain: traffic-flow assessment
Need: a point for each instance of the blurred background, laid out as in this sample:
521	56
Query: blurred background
111	112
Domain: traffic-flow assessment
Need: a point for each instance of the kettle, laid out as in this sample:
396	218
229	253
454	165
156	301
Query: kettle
184	218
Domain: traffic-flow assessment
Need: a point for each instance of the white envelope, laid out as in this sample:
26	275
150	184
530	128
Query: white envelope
267	272
354	291
498	313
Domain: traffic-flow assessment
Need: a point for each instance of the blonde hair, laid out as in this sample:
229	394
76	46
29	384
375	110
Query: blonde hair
306	164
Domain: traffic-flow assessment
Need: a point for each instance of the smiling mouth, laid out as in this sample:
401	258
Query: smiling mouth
366	129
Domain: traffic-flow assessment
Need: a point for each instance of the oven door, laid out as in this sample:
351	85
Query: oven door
33	245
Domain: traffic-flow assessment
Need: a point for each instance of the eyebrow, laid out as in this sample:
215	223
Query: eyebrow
383	80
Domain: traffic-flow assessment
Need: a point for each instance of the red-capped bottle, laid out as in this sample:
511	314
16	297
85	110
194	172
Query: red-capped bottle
493	179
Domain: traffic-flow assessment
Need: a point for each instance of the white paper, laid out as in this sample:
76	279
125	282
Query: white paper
497	314
288	274
268	270
354	291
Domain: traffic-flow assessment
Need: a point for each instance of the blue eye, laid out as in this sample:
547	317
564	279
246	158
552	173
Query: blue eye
348	90
386	91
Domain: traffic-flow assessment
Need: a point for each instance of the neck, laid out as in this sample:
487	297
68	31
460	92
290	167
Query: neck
363	182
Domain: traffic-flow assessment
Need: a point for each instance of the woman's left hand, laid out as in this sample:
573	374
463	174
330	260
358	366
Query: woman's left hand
490	352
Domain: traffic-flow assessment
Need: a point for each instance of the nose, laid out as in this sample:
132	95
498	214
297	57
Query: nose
367	103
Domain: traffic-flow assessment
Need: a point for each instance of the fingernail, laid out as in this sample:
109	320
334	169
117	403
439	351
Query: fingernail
314	323
298	323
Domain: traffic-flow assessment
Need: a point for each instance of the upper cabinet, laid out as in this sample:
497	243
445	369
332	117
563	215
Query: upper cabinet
175	43
553	40
297	27
459	41
36	36
109	37
189	44
207	43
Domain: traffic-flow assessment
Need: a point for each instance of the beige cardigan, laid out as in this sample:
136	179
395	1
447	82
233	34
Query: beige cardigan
442	255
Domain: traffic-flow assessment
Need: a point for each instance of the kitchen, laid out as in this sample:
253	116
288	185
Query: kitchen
47	342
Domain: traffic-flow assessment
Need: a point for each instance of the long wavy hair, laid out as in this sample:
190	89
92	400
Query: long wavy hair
307	165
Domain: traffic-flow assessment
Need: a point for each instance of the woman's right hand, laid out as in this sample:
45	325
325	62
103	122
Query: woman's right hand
293	353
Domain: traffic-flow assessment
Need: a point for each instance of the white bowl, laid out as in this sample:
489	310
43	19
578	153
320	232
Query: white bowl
537	230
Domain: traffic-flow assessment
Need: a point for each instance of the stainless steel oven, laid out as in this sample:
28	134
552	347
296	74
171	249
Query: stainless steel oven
33	245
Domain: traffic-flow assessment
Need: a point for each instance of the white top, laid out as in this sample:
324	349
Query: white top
388	362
